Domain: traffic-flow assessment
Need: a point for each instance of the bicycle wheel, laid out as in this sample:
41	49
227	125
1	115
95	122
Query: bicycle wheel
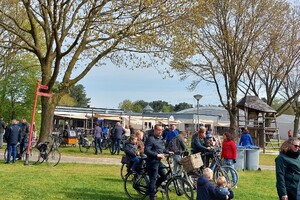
136	186
179	188
228	172
33	157
104	144
85	146
53	157
124	170
232	176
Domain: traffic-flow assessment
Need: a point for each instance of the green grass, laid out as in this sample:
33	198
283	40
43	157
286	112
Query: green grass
267	159
89	181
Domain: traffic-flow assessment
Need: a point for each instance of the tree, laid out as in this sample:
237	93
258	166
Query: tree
182	106
227	45
71	35
79	95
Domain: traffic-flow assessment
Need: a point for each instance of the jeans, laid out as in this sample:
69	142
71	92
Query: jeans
176	159
98	144
11	150
155	168
229	162
135	162
23	145
117	143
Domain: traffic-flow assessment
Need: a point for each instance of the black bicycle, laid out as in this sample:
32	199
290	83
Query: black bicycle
175	187
84	143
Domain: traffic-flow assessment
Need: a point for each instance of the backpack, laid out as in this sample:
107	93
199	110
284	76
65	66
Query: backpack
173	144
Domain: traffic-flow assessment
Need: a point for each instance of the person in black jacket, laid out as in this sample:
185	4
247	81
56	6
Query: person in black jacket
131	151
154	149
287	165
13	137
198	144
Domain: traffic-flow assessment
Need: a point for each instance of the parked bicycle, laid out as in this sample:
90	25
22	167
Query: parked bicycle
84	143
175	187
49	153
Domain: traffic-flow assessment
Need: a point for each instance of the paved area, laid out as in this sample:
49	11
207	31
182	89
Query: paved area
109	161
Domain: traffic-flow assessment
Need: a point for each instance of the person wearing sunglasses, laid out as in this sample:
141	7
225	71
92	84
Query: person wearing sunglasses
288	169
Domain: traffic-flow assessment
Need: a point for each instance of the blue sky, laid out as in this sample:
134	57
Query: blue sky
107	86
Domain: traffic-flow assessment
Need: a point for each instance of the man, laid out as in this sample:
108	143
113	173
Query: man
198	144
171	134
97	138
25	135
13	137
177	145
117	132
2	129
154	149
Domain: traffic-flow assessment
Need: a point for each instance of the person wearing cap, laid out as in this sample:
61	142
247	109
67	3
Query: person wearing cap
209	143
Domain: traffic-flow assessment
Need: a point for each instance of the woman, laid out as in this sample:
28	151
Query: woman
288	169
140	141
246	139
229	152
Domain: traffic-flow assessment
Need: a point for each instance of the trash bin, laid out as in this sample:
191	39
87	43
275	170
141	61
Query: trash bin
240	159
252	158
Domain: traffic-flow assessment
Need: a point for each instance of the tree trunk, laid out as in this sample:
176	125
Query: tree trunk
48	107
296	124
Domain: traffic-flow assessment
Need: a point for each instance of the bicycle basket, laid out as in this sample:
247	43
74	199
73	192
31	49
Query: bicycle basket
191	162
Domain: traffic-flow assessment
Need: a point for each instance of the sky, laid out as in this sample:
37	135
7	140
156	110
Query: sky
109	85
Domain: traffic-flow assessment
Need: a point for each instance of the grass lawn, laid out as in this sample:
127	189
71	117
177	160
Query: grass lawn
89	181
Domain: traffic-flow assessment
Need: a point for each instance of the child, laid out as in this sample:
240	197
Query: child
222	187
131	150
205	189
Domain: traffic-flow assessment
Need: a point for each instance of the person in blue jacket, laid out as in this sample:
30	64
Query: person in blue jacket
246	139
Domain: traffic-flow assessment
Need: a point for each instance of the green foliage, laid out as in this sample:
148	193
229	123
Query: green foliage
158	106
17	91
79	94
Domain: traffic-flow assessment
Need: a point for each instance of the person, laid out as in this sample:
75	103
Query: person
222	186
287	165
104	131
171	134
206	190
228	152
127	132
198	144
179	149
209	143
155	151
132	152
67	129
2	130
140	141
132	131
13	136
289	133
117	132
24	137
98	138
246	139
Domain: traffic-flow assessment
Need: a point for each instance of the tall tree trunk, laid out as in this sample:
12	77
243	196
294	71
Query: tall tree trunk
48	107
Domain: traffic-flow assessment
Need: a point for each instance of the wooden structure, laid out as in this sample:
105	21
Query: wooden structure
260	119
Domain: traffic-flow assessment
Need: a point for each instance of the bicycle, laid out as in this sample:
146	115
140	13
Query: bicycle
219	169
176	187
50	155
126	165
84	144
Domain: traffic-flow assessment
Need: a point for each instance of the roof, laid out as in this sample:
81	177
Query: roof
254	103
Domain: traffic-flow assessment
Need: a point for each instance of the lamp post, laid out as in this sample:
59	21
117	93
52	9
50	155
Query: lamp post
197	97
